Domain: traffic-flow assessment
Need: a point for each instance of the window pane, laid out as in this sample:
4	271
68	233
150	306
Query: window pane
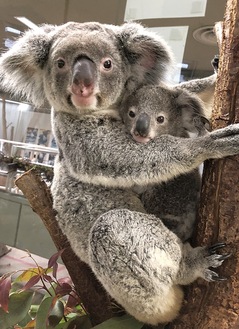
144	9
176	37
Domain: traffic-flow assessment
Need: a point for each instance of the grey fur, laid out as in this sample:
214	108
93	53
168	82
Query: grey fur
204	88
153	111
138	260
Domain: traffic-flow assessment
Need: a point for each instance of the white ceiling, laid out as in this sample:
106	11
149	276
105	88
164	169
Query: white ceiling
197	55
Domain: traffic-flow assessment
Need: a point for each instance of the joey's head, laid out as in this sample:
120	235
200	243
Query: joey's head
153	111
83	66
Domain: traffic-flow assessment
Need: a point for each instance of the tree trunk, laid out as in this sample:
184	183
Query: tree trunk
216	304
93	296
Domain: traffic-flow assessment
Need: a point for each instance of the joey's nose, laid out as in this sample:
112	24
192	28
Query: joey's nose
142	125
84	77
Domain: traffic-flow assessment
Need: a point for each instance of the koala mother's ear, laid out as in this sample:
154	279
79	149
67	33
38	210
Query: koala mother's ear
194	119
21	67
150	58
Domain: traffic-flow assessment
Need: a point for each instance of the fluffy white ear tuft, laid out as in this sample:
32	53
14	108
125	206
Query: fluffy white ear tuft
21	67
150	57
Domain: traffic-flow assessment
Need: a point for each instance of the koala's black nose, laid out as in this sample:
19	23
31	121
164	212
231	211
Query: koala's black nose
142	125
84	75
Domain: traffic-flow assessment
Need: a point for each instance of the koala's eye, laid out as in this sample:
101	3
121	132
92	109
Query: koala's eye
60	63
107	64
131	114
160	119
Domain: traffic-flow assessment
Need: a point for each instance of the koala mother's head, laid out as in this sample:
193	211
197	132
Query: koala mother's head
78	66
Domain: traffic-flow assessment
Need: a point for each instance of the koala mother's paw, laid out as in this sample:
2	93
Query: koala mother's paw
214	260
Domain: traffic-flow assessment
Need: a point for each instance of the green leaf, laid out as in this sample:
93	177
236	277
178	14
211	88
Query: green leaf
122	322
19	305
56	313
25	321
43	313
78	322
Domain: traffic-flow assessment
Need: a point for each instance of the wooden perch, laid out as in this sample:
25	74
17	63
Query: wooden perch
94	298
216	305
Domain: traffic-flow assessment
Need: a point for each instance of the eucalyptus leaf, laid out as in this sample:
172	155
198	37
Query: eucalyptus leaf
25	321
43	313
79	322
56	313
121	322
19	305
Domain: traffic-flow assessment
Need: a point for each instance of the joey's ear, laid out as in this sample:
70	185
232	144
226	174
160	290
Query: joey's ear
21	67
149	57
194	119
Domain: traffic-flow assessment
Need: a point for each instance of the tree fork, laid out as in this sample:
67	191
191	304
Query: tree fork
216	304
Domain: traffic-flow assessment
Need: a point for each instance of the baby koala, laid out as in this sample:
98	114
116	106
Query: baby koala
151	112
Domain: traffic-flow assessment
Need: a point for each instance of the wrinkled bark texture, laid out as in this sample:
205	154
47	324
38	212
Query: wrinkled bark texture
216	304
93	296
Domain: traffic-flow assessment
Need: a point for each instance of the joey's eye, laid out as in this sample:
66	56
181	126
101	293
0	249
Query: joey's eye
131	114
107	64
160	119
60	63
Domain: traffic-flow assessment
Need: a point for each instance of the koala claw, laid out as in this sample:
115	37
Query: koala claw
212	250
223	257
218	278
213	276
214	259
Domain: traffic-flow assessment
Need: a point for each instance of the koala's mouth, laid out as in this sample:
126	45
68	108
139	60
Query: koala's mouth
140	139
80	101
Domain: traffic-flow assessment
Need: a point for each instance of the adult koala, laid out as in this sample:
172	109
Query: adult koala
83	70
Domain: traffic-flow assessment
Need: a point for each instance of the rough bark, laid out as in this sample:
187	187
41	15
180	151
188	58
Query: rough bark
216	305
93	296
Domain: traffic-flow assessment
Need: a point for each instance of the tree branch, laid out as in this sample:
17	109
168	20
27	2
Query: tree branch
94	298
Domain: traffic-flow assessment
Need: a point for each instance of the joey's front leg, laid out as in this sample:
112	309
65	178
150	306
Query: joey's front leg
197	261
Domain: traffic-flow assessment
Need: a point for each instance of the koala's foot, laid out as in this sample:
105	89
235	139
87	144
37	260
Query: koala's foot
214	260
197	262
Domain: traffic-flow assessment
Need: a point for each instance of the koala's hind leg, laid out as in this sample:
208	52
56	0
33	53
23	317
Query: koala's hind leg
197	261
136	258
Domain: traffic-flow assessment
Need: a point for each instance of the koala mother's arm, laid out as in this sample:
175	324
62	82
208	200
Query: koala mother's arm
96	149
